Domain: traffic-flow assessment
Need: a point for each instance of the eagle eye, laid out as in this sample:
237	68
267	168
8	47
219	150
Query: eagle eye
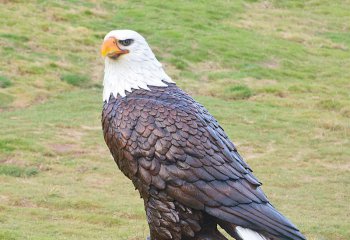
126	42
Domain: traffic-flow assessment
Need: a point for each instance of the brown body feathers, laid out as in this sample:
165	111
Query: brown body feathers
187	171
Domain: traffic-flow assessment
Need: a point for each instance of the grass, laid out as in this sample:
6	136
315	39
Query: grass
4	82
238	92
74	79
274	73
15	171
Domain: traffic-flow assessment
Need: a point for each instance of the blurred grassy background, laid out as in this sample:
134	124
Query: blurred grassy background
274	73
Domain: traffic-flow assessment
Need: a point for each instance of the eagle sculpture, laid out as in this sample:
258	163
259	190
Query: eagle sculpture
188	172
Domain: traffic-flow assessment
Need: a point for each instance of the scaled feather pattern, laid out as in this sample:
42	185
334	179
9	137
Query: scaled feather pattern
188	172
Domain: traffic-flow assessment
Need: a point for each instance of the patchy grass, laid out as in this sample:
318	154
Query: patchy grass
238	92
75	79
14	171
4	82
274	73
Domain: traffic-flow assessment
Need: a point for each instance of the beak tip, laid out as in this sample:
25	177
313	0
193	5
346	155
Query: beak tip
110	48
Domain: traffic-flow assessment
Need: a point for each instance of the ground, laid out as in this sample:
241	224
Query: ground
274	73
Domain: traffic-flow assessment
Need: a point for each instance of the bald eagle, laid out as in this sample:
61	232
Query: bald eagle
188	172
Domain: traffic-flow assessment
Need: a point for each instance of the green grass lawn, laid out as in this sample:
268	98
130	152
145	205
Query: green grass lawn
274	73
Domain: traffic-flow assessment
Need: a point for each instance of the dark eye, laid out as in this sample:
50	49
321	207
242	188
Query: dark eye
126	42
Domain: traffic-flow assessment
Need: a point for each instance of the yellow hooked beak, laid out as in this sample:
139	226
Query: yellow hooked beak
110	48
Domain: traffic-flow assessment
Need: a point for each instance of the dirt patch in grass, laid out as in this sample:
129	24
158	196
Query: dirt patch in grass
96	181
271	64
70	142
259	82
13	161
334	125
93	128
72	133
250	151
208	66
4	199
129	216
23	202
339	166
63	148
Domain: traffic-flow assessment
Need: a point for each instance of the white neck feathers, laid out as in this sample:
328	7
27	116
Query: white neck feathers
132	72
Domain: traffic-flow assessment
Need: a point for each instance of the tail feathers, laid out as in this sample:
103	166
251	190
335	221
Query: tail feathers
247	234
262	218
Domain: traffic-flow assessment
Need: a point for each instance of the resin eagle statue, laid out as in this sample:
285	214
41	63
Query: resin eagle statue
187	170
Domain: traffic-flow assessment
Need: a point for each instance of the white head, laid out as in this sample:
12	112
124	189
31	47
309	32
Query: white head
129	64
